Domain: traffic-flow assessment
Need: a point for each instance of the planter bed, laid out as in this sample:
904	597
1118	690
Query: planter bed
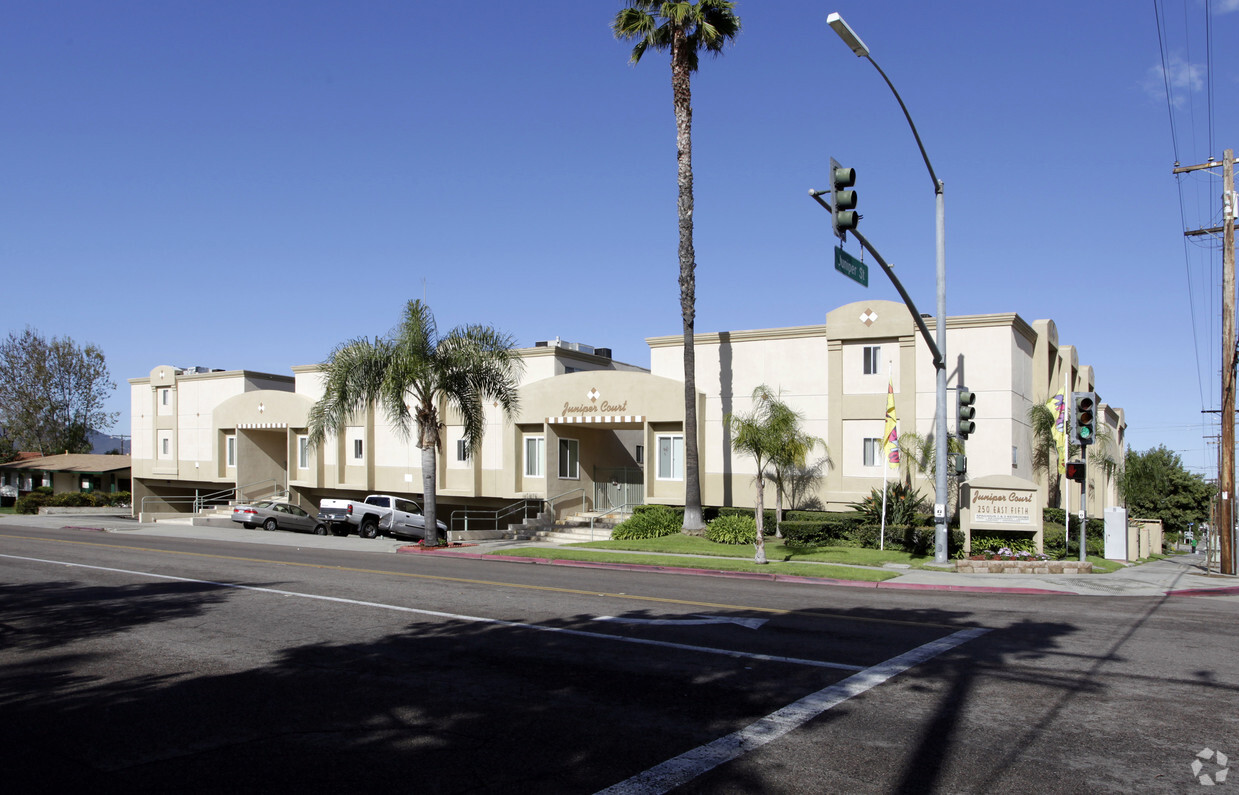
1023	567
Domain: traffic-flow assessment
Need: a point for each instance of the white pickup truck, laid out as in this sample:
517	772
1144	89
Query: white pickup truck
379	513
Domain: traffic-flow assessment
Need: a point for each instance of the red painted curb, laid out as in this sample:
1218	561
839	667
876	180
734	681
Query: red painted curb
1226	590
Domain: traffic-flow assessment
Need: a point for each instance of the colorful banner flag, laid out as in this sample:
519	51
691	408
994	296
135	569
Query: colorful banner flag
890	436
1058	409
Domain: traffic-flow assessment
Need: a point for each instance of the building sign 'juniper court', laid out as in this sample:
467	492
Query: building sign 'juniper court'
1002	507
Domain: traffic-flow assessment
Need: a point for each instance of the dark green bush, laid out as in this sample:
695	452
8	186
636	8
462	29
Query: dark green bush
820	528
651	521
733	529
32	502
120	498
768	516
994	541
72	499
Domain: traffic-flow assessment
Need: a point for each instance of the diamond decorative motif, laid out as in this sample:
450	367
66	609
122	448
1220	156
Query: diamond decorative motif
261	408
868	316
594	394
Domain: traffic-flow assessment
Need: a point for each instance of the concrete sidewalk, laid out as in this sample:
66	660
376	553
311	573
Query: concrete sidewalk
1182	575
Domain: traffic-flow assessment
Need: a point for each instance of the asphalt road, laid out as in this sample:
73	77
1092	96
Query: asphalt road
144	664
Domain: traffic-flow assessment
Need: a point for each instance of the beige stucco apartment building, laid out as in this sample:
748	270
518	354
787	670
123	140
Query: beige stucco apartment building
593	433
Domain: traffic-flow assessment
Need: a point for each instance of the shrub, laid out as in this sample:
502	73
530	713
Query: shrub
992	542
652	521
808	529
904	505
120	498
72	499
732	529
32	502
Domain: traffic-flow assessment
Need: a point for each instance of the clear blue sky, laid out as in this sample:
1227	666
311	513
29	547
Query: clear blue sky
247	184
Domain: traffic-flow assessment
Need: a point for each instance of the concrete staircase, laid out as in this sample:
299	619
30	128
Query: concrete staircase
569	530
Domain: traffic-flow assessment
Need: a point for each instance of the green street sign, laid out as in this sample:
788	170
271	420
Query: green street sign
851	267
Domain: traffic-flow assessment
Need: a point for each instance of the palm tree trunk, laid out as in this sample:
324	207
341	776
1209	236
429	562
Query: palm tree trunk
682	96
760	543
429	511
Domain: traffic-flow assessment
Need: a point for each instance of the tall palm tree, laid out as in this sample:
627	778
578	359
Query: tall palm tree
414	375
763	434
684	29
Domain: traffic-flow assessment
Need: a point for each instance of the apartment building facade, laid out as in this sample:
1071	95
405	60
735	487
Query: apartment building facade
593	433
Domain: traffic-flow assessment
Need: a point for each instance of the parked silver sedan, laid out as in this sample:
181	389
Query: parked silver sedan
272	515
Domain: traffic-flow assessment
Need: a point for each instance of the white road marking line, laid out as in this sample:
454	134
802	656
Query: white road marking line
687	766
460	617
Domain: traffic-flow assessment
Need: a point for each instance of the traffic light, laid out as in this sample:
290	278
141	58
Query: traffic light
1075	471
1084	416
965	412
843	215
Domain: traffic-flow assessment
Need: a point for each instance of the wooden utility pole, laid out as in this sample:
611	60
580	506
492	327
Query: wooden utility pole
1224	526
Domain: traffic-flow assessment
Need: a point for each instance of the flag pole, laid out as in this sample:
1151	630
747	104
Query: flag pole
886	464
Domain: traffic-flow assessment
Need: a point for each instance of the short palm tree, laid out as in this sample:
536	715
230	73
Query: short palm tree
789	461
763	434
684	29
413	375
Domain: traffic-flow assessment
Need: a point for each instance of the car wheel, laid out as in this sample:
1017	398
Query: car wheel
269	525
320	530
369	529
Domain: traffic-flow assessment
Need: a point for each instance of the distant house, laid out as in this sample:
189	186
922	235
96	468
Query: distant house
71	472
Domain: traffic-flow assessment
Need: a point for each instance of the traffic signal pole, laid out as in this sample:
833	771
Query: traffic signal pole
1224	527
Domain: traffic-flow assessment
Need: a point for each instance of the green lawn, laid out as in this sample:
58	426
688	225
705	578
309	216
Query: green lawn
714	563
680	544
674	551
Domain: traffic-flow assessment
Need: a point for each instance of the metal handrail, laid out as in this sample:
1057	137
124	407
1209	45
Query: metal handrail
478	514
198	502
620	509
550	502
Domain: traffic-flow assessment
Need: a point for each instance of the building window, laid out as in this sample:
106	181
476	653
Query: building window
570	459
1015	457
671	457
165	397
640	455
873	451
303	452
359	450
535	455
230	443
462	450
872	353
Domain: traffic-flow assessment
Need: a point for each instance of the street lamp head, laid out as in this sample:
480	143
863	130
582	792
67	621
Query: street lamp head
847	34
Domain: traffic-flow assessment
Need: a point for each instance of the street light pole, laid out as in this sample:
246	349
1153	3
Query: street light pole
940	436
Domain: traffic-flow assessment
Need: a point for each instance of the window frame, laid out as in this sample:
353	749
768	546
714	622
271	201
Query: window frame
676	457
871	448
539	457
230	450
303	451
569	455
871	356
